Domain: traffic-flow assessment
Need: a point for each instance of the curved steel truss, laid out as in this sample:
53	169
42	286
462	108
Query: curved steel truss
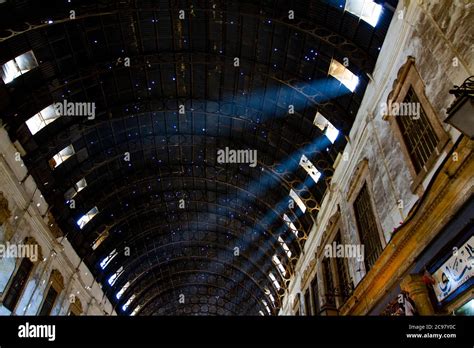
176	231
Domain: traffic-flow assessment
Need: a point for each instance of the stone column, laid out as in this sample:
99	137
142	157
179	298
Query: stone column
418	292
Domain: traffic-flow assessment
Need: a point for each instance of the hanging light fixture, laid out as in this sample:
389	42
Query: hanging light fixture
461	111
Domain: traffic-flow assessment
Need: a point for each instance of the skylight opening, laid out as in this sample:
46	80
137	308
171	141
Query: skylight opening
120	293
327	127
344	75
285	247
70	194
100	239
261	313
331	133
290	224
367	10
84	219
109	258
135	311
41	119
298	200
78	187
81	184
274	281
309	167
277	262
61	156
125	306
113	278
18	66
266	307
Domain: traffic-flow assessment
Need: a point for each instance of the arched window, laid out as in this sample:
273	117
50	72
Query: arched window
18	284
75	308
26	264
55	287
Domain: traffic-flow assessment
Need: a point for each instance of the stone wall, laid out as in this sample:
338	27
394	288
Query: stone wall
24	216
437	35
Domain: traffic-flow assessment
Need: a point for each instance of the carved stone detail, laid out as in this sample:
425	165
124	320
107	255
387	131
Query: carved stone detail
32	241
360	169
53	226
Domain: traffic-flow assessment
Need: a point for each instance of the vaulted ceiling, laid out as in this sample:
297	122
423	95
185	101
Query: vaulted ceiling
180	222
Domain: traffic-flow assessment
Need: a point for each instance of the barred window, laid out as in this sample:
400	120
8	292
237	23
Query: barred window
367	227
18	284
418	133
329	281
315	296
345	281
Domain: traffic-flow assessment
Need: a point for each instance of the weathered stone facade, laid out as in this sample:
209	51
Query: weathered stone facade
432	36
24	219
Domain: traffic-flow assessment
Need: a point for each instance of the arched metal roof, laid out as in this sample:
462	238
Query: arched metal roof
165	248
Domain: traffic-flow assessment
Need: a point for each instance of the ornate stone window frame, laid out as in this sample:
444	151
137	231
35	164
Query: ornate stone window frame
407	77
